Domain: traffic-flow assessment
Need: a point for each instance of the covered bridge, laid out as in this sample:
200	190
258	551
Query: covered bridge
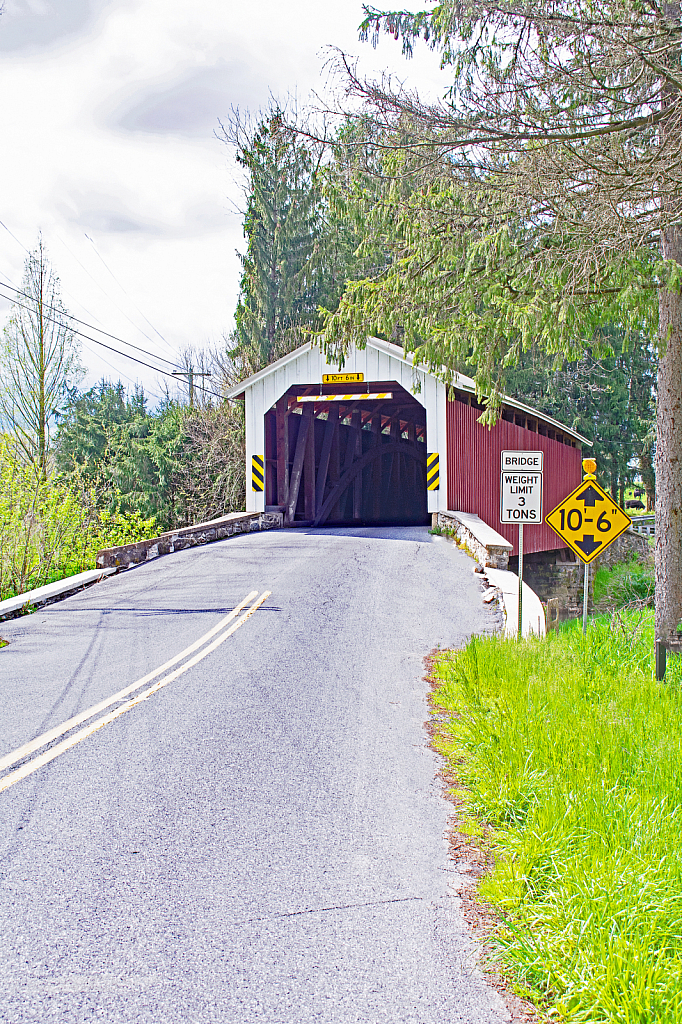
382	441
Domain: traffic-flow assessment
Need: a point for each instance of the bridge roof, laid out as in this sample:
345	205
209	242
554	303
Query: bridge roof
410	375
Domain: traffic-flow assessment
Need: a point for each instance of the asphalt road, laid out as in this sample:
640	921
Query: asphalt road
263	839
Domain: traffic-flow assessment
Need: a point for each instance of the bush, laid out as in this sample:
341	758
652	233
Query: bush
180	465
49	529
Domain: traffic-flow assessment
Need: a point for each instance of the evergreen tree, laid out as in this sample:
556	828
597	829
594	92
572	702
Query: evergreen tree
177	464
283	278
86	428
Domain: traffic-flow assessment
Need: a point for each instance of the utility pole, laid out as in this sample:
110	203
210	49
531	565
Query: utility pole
190	373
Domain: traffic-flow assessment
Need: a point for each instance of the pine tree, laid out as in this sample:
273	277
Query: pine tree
282	277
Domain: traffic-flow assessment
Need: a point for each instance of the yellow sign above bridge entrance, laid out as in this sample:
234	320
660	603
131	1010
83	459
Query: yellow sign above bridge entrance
343	378
588	520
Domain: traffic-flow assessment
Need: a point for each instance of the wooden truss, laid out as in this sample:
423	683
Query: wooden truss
362	459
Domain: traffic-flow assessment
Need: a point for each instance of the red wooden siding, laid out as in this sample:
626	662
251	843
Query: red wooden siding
474	454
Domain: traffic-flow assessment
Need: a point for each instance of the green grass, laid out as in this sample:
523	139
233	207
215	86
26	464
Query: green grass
570	755
627	584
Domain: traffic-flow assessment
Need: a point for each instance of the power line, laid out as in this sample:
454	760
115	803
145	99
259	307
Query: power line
2	224
91	327
116	280
122	373
73	255
110	348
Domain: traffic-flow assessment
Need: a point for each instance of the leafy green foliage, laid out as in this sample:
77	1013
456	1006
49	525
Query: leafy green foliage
568	752
50	529
609	400
178	465
469	291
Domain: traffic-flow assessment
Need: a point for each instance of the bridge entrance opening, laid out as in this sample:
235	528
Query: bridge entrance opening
347	459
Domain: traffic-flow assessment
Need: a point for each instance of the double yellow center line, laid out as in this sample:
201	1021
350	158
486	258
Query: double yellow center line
218	631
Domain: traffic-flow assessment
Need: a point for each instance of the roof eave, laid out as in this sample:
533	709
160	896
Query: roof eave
397	352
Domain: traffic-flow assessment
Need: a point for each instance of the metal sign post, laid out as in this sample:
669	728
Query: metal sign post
519	631
521	501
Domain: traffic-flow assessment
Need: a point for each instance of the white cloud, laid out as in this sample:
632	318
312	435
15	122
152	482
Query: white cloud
108	117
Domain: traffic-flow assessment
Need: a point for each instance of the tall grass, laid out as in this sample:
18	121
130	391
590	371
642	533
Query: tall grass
50	530
627	584
571	754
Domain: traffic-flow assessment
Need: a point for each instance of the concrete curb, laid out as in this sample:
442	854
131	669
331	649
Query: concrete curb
507	583
61	588
188	537
481	541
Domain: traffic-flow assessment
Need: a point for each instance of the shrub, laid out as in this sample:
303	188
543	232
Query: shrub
49	529
628	584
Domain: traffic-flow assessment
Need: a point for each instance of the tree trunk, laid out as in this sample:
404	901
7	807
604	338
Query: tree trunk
42	418
668	551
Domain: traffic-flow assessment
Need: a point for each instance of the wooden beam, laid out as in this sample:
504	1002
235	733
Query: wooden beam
297	468
335	458
329	433
390	450
282	439
356	423
376	469
309	469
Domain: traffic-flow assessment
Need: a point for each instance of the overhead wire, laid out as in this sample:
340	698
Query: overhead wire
116	280
121	373
102	289
21	244
102	344
116	370
99	330
91	327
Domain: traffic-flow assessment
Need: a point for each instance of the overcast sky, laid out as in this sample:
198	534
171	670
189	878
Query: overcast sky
107	124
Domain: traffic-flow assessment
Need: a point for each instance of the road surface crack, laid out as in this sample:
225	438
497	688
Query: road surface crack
322	910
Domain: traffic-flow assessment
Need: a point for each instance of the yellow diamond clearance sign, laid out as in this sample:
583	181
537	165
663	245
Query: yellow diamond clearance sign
588	520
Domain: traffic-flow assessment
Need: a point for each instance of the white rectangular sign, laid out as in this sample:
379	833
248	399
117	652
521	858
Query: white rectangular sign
515	461
521	488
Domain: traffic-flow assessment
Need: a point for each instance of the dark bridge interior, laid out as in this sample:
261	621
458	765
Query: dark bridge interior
348	459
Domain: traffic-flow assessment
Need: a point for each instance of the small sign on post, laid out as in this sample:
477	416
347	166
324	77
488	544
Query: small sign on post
521	501
521	488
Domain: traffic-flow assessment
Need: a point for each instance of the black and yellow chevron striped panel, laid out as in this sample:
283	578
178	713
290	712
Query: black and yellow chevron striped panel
432	472
257	473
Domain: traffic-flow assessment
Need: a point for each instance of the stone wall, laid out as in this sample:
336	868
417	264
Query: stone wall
561	583
188	537
628	545
495	556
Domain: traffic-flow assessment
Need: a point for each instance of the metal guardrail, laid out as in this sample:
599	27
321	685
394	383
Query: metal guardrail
645	525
